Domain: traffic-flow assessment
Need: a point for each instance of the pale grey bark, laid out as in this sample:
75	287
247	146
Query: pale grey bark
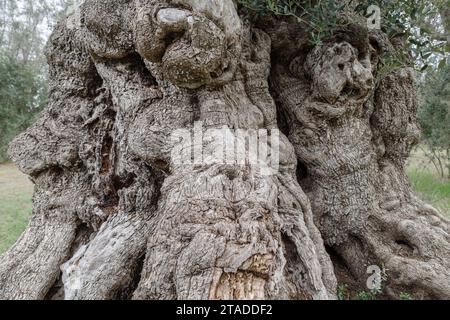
116	216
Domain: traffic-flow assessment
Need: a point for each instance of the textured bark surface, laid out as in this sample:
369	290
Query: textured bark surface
118	215
352	137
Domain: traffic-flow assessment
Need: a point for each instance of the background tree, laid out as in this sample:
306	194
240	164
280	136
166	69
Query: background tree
22	96
434	117
24	31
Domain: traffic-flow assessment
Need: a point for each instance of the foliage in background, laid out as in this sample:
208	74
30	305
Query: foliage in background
427	182
434	117
320	17
22	95
418	22
24	28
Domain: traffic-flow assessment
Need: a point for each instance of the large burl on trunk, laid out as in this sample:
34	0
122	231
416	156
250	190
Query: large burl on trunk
160	172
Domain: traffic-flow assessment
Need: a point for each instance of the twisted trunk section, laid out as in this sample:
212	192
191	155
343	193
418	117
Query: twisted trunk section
143	224
160	172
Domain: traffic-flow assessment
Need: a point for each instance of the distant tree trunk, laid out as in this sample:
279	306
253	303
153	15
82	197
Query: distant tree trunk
139	196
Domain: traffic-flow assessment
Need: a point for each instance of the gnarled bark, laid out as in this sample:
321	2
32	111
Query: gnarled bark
139	87
353	138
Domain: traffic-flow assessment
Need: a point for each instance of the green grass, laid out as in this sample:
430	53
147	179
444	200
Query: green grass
427	183
15	205
431	188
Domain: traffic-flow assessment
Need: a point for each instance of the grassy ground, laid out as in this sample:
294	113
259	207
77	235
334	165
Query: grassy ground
16	192
15	204
432	190
427	183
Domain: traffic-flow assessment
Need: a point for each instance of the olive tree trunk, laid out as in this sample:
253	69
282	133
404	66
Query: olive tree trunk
160	172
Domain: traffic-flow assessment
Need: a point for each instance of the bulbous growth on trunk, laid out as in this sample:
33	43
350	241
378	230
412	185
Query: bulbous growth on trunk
352	136
160	172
